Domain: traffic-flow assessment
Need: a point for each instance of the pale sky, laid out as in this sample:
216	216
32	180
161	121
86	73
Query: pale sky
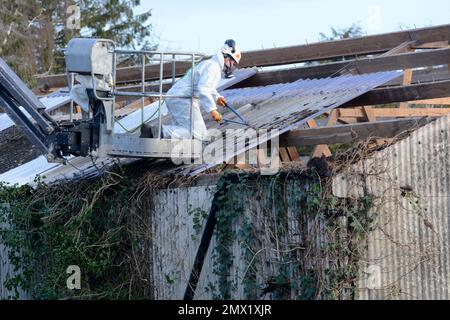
203	26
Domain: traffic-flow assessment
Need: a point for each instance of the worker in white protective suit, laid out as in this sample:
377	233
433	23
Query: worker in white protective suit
207	75
79	94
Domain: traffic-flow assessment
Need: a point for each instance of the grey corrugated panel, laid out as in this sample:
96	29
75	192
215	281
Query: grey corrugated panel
411	243
173	255
8	269
173	246
81	167
293	104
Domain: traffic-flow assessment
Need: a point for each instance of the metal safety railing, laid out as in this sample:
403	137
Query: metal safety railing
161	58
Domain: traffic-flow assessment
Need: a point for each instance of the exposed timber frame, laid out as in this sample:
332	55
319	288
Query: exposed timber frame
433	37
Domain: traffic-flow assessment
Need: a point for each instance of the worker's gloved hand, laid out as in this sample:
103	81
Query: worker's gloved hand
221	102
216	116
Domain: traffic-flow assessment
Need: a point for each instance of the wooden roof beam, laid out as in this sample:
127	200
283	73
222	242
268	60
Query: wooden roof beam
352	47
367	65
343	48
350	133
358	113
440	89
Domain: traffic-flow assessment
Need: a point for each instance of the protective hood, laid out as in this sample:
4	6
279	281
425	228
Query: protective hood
218	57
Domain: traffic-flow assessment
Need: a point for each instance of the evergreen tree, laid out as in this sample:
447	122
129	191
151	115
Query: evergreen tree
16	36
34	33
353	31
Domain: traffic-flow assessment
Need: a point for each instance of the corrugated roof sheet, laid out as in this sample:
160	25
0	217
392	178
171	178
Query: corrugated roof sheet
286	107
56	99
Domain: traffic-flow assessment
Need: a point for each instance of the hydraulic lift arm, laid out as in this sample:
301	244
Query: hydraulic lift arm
53	140
20	104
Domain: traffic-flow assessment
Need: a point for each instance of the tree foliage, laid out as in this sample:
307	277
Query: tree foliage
353	31
34	33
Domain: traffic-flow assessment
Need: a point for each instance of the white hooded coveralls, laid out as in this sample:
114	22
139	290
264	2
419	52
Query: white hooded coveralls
207	75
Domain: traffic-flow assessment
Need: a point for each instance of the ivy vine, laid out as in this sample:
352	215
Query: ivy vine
305	198
93	224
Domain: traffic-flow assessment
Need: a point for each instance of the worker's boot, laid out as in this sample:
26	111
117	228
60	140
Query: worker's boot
146	131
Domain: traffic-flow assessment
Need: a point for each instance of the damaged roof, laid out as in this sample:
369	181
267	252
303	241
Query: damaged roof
21	169
283	107
289	106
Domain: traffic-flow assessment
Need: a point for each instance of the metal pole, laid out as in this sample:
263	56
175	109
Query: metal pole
192	97
161	70
72	80
205	241
152	94
143	89
173	69
113	87
114	70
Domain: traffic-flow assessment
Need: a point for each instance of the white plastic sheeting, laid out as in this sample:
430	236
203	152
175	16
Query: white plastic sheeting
5	122
26	173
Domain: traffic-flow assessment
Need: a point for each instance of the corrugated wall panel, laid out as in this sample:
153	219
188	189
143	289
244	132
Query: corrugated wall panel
174	246
410	244
276	247
7	269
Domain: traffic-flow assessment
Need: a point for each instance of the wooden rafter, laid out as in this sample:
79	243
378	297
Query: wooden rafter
413	92
407	78
394	112
323	149
437	101
352	132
